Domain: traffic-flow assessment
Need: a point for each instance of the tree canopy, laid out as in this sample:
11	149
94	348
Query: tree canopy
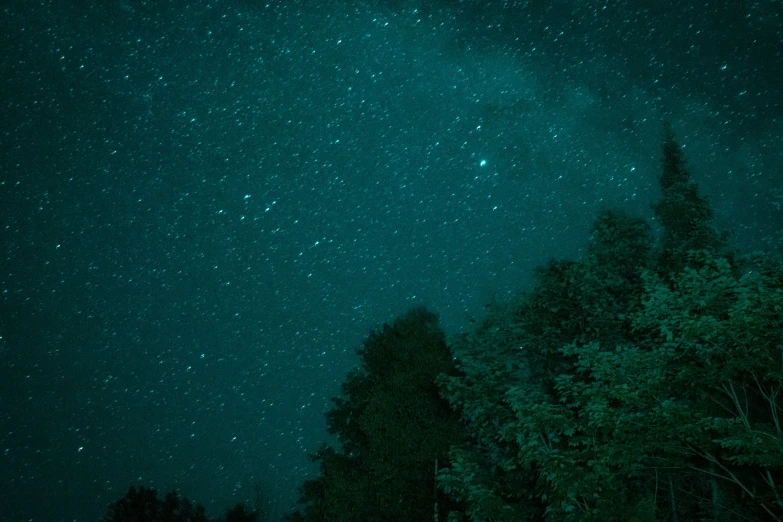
641	382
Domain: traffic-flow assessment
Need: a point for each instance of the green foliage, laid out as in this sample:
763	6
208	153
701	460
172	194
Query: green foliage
622	388
692	394
512	391
723	335
477	488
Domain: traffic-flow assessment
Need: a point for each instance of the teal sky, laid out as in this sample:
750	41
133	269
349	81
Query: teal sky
206	206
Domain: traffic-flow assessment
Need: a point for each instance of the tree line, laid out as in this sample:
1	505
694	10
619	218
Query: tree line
640	382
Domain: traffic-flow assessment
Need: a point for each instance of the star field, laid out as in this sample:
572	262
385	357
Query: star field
206	206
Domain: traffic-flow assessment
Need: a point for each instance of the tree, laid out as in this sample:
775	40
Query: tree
239	514
391	424
623	388
143	505
684	214
534	456
717	335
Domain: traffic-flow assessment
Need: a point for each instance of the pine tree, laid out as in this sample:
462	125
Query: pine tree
684	214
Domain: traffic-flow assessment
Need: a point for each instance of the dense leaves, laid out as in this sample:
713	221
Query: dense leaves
526	427
637	383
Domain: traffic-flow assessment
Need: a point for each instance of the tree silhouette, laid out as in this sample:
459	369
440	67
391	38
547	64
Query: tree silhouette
685	215
632	384
143	505
534	455
392	425
239	514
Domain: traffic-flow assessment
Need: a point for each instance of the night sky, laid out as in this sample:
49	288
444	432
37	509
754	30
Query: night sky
205	207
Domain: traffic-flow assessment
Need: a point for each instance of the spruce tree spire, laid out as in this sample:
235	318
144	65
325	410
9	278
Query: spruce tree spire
684	214
674	168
